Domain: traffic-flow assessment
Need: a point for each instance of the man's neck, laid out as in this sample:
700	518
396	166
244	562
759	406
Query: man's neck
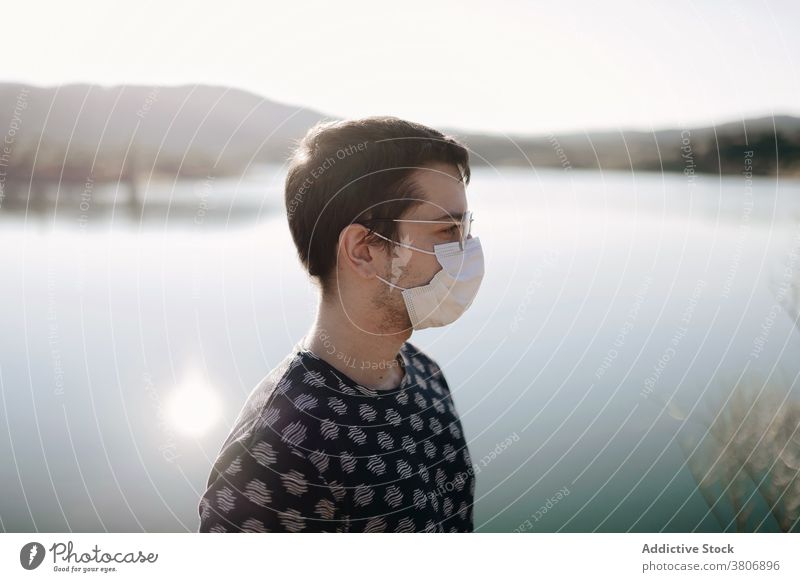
365	355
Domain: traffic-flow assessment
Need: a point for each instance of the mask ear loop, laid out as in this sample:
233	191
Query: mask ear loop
407	246
391	284
371	231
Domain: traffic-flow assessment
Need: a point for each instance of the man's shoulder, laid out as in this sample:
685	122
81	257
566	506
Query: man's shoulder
278	414
283	397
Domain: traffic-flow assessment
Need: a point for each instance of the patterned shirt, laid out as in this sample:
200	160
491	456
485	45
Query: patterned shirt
312	450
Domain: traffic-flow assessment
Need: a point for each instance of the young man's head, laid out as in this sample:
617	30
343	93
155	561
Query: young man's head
349	182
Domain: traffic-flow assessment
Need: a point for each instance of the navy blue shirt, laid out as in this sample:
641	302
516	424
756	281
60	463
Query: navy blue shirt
314	451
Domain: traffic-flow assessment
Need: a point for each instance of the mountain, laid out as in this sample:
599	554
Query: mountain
721	149
109	133
76	133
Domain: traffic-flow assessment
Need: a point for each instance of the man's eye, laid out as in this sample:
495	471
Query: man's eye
453	229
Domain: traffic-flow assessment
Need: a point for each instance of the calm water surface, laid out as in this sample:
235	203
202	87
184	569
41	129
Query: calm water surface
131	339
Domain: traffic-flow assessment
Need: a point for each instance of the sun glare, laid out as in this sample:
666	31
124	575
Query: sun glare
193	407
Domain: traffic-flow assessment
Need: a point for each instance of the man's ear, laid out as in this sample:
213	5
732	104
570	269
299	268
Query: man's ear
356	253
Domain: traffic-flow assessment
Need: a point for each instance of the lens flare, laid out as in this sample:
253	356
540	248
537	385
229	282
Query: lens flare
193	407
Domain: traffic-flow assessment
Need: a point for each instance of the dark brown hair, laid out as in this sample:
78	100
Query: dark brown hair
355	170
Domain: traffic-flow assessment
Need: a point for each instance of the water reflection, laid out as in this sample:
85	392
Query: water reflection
101	315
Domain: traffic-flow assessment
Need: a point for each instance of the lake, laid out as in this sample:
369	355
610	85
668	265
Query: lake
617	316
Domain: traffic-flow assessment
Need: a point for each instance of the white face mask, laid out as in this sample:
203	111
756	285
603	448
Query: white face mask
451	290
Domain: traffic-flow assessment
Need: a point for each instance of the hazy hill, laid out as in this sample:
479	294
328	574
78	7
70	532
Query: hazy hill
70	133
719	149
191	130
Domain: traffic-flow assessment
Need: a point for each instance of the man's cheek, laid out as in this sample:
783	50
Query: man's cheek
424	270
416	278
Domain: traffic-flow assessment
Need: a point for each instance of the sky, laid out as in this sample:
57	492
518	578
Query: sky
512	67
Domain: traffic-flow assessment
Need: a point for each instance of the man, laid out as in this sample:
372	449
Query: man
356	430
